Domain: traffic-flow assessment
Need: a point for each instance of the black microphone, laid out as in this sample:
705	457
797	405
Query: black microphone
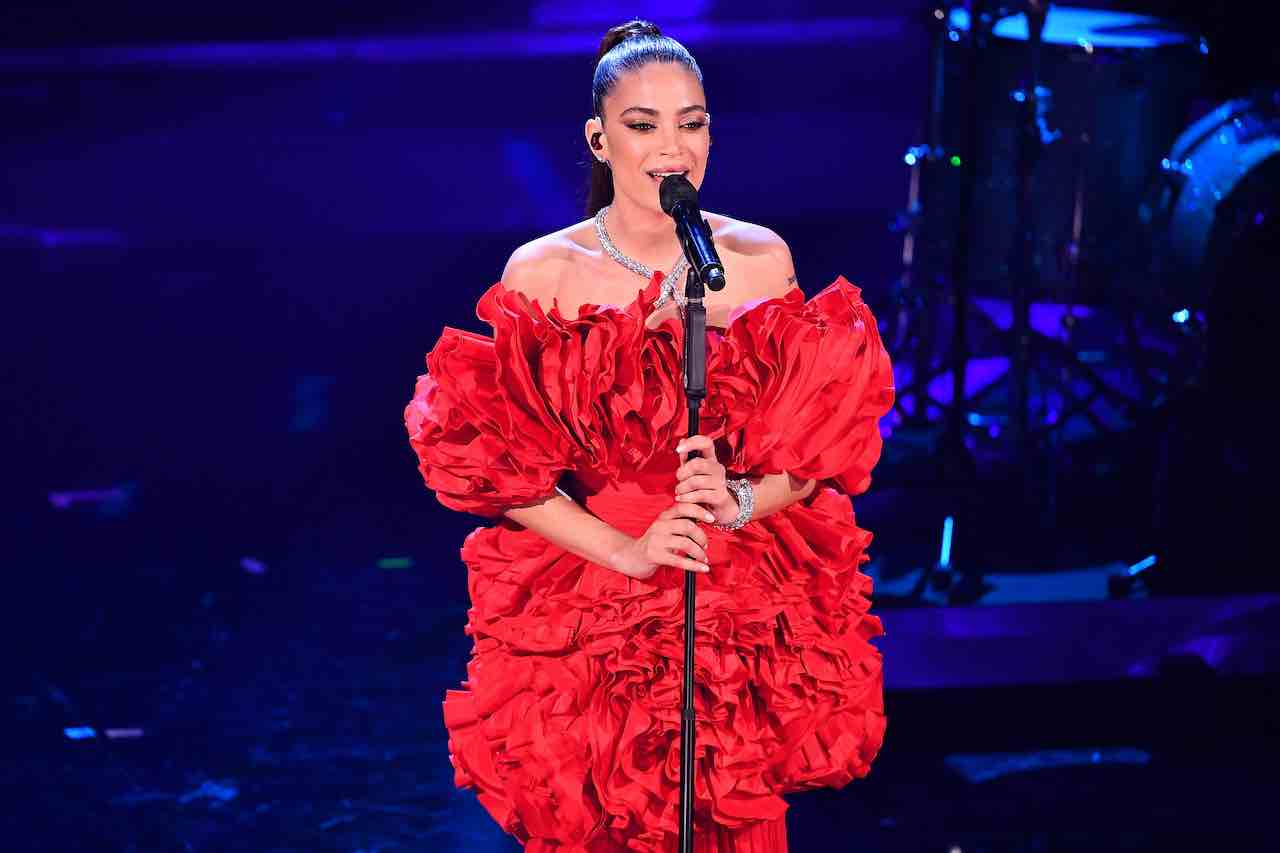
679	200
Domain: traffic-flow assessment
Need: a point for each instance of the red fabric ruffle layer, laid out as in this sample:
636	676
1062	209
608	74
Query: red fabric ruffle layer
568	725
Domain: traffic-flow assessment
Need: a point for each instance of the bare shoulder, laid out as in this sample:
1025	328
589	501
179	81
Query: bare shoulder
767	255
538	268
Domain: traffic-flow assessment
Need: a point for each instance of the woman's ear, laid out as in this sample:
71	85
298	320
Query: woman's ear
596	141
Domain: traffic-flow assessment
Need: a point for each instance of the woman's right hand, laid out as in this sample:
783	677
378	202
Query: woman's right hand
672	535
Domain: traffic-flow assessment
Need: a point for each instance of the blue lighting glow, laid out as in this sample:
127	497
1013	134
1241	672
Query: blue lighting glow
1142	565
1019	96
953	35
568	13
1204	45
944	558
80	732
536	180
959	19
976	768
1182	315
910	159
451	47
1100	28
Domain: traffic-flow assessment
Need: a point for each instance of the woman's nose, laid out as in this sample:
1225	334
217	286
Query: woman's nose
670	141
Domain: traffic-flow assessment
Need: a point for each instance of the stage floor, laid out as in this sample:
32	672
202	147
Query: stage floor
315	725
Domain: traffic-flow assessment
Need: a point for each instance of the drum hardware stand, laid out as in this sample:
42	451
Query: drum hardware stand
916	324
955	456
913	290
1025	261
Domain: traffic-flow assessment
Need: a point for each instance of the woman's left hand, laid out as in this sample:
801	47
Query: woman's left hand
702	479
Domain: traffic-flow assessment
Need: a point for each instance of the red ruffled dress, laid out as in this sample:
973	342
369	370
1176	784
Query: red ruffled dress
568	725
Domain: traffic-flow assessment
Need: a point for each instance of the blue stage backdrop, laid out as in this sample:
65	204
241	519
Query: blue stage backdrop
224	260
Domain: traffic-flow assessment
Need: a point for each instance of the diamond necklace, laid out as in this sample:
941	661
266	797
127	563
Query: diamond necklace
668	287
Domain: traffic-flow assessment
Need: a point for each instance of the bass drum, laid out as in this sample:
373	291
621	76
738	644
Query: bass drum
1215	224
1219	186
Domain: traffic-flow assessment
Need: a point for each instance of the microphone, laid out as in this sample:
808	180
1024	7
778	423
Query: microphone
679	200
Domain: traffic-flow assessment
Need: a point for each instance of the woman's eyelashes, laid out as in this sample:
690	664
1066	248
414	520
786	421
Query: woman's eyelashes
645	126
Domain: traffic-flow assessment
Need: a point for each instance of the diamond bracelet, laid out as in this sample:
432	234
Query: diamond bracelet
742	490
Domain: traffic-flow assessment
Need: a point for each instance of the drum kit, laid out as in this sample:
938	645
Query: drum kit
1066	222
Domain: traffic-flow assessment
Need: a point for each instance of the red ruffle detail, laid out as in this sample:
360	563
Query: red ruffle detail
494	421
813	380
568	725
481	447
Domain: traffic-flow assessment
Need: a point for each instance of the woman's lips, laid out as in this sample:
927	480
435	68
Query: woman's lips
658	176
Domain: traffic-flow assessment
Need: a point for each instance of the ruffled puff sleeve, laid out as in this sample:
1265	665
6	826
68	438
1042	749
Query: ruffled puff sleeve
484	445
813	380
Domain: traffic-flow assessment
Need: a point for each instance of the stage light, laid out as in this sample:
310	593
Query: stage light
396	563
959	18
1182	316
955	160
1142	565
944	557
953	35
80	732
910	158
1204	46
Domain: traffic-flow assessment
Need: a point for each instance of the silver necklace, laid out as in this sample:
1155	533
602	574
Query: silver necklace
669	290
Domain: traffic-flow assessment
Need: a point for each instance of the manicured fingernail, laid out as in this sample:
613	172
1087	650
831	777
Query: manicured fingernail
705	567
709	517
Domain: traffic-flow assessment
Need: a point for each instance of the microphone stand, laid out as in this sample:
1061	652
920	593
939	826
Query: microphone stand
695	389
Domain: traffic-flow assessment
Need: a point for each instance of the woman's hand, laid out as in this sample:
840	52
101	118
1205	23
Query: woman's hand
673	533
702	479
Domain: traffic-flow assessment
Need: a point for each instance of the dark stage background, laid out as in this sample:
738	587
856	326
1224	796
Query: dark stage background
228	236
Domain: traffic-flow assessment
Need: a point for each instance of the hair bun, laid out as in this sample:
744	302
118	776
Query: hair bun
631	29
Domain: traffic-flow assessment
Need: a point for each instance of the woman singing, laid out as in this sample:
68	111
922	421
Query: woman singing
568	427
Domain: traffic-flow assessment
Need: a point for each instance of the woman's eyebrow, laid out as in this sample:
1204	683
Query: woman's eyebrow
649	111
